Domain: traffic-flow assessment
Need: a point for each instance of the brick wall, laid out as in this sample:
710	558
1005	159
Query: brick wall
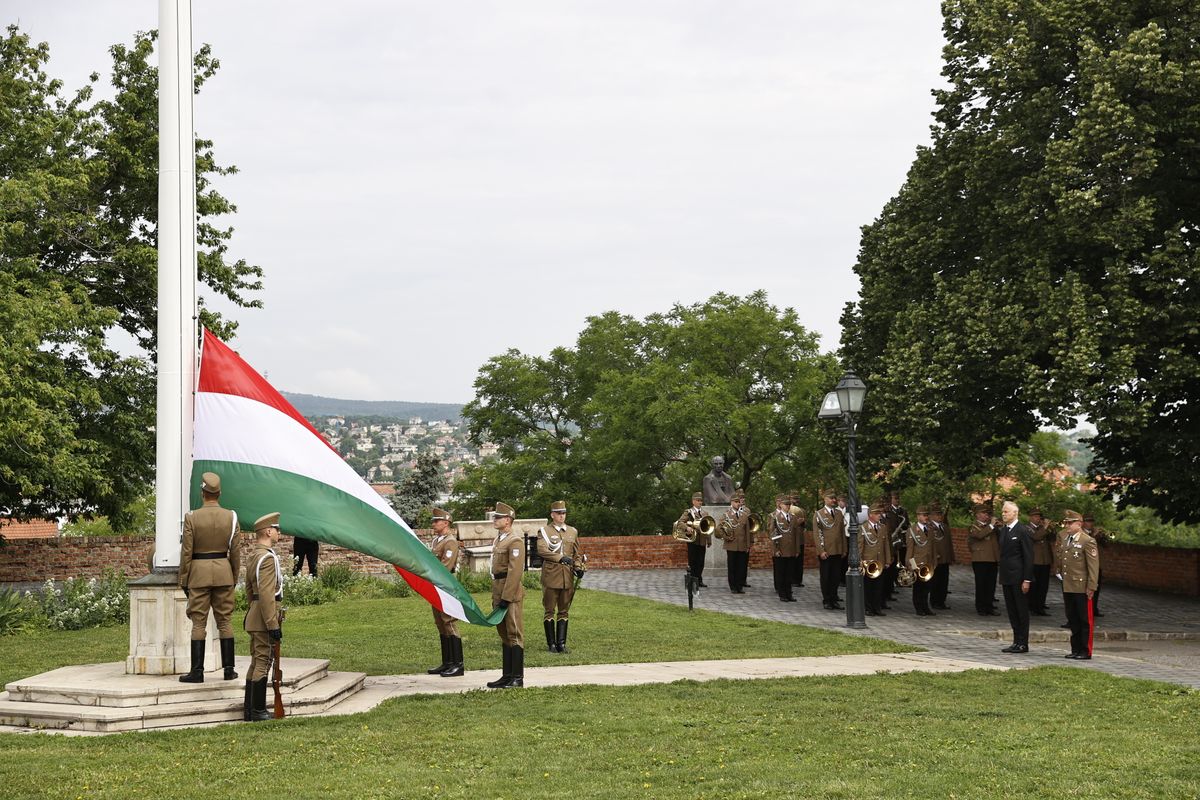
1160	569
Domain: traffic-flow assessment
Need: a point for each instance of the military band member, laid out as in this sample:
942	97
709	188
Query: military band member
508	567
1077	560
558	545
876	546
842	500
897	522
801	540
445	546
944	544
696	550
734	530
829	543
782	529
1101	536
264	590
985	557
208	567
921	551
1043	555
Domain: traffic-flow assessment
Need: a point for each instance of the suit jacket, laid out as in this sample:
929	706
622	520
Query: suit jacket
209	529
829	532
1016	554
740	539
552	546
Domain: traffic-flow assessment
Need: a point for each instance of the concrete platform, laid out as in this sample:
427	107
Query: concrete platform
102	698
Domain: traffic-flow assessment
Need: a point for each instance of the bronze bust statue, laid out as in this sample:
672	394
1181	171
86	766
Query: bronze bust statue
717	485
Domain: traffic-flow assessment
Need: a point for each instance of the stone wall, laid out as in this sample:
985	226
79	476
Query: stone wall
1160	569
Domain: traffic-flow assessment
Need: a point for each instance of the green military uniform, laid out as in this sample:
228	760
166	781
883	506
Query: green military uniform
208	566
875	545
922	551
830	544
984	545
1078	562
737	537
784	528
264	590
558	545
1043	555
508	567
446	548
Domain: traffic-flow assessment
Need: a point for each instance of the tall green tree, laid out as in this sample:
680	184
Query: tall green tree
78	213
419	489
1040	260
622	426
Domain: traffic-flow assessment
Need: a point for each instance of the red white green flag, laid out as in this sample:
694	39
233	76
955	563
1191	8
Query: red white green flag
271	459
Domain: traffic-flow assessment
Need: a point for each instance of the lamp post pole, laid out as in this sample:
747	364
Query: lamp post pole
855	594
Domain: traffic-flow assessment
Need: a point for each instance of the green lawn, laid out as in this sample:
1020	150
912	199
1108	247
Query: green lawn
396	635
1050	732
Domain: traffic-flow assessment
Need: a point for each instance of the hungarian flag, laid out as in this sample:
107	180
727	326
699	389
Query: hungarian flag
271	459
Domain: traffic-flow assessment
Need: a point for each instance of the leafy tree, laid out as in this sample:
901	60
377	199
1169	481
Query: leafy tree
419	489
1040	260
78	209
623	425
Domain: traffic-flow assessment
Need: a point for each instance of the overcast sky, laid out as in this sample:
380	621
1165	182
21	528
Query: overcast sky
429	184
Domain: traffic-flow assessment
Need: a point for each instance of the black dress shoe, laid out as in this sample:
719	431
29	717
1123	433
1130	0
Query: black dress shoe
930	613
885	606
1040	613
1065	625
1012	648
836	607
745	586
1071	655
703	585
872	613
922	613
737	591
941	606
1021	648
1083	657
790	599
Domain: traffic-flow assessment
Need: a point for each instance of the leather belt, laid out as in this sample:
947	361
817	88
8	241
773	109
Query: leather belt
209	555
499	576
255	597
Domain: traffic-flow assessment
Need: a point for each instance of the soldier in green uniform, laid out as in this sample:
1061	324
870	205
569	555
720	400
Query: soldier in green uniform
1078	563
940	587
1101	536
208	568
734	531
558	545
508	567
264	590
921	551
877	547
698	549
984	545
829	540
445	546
1043	555
782	529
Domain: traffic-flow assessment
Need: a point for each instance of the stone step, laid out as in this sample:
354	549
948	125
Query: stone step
313	698
108	685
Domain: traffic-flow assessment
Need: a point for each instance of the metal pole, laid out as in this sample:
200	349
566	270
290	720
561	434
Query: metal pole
855	598
176	366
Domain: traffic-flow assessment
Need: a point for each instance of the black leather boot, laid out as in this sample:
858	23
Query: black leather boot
516	678
259	713
502	681
248	706
227	658
455	668
197	673
551	645
562	636
445	658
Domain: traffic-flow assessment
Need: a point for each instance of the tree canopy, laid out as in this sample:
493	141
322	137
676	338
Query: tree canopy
622	425
78	213
1040	261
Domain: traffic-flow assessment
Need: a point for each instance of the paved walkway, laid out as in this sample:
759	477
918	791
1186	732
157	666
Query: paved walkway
1149	635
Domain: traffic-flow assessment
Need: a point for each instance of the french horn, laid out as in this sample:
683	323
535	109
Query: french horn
872	568
687	531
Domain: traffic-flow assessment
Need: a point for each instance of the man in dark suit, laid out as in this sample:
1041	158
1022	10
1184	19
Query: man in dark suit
1016	574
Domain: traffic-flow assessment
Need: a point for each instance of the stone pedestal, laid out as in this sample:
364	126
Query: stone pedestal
160	633
716	561
477	536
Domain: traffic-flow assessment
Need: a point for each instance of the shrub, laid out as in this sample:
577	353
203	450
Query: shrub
15	612
375	586
84	603
337	577
476	582
305	590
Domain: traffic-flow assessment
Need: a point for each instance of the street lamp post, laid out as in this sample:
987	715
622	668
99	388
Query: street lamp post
845	403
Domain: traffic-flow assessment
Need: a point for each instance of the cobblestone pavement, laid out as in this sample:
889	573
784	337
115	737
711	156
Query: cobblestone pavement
1128	635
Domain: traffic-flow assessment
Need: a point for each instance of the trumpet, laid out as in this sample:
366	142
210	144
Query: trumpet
872	568
687	531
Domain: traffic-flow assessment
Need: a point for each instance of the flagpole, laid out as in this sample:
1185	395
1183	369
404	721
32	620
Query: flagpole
177	339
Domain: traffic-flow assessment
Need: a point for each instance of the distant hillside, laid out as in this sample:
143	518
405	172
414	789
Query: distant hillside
313	405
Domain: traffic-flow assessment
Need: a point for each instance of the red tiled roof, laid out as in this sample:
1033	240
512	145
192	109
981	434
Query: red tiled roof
33	529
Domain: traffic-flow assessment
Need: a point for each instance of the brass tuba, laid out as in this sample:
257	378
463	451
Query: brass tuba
687	531
872	568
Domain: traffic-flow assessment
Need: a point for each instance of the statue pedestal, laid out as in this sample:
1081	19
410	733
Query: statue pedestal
716	561
160	633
